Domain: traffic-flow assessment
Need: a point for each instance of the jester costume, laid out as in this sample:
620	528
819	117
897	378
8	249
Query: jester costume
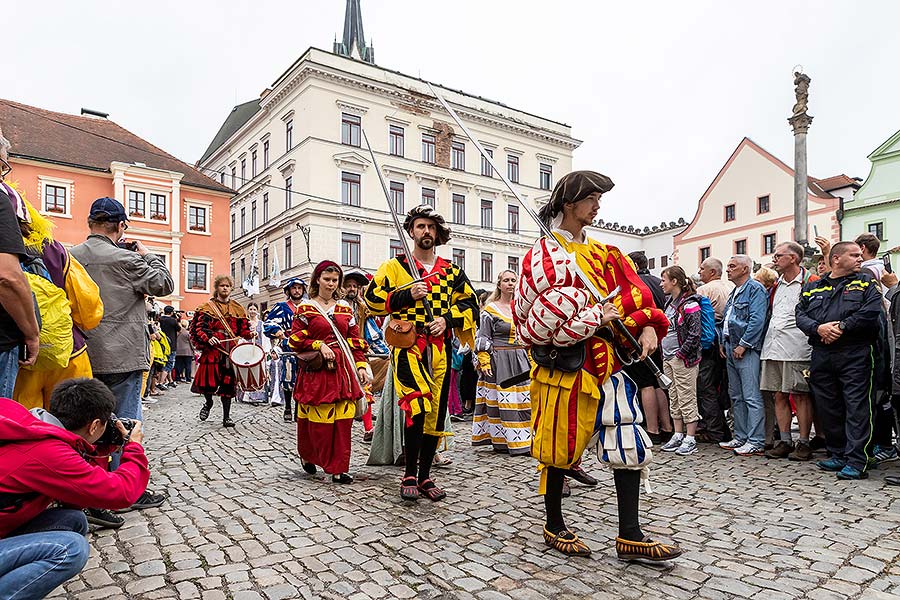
224	321
34	384
552	307
327	399
422	372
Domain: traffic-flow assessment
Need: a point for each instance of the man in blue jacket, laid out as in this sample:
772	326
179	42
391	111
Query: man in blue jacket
743	328
840	313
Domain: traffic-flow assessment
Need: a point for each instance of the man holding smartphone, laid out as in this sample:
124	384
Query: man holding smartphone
119	348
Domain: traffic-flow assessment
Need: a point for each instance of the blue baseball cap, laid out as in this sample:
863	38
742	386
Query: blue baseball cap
107	209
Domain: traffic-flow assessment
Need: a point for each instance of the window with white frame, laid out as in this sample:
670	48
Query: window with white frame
512	168
396	248
288	191
350	127
546	176
350	188
253	163
513	264
428	196
396	139
459	209
512	218
197	218
486	169
56	199
243	220
266	207
458	156
265	262
252	215
197	275
158	207
266	154
137	204
428	148
487	214
397	197
289	135
487	266
459	258
350	247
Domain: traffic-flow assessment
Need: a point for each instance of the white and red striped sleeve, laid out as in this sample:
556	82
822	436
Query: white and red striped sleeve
550	305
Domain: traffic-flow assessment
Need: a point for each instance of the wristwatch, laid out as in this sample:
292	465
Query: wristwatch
841	325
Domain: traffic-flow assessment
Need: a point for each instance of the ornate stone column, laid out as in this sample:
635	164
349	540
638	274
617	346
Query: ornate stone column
800	122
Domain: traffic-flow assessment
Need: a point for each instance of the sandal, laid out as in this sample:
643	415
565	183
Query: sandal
440	461
566	542
409	490
431	491
646	550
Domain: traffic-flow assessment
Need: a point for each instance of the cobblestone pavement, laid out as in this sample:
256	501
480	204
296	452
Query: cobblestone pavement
243	521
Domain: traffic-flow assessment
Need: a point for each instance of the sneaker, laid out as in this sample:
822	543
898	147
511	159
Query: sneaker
884	454
147	500
832	464
104	519
802	452
687	447
781	450
850	472
673	444
457	418
149	400
749	449
735	443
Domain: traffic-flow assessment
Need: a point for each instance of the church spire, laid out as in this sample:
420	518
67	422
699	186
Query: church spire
353	43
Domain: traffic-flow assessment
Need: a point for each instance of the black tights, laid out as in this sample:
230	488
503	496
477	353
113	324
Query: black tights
628	488
226	405
419	448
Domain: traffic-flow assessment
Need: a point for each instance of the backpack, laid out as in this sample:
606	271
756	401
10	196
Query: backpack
56	341
707	323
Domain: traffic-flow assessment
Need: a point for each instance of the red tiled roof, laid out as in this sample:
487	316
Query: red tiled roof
87	142
836	182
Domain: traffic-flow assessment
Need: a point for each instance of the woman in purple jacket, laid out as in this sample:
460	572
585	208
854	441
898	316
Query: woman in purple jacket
681	355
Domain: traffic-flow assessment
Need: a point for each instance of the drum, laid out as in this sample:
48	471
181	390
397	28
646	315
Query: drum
249	361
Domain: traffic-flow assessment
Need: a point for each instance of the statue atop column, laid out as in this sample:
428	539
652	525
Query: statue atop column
801	89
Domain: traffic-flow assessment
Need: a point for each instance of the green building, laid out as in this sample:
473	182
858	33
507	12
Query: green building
876	205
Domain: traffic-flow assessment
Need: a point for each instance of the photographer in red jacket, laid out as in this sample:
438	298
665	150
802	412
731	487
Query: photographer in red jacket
48	457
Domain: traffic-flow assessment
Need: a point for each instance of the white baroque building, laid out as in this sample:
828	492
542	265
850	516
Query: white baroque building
307	189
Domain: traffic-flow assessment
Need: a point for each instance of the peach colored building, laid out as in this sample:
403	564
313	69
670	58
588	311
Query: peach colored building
749	209
64	162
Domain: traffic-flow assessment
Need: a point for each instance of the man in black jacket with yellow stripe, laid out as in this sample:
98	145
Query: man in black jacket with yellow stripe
840	315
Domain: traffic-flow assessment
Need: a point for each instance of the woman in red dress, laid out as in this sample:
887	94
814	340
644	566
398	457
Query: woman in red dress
327	398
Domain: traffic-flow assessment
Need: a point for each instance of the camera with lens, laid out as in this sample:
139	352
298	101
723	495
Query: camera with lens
112	436
128	246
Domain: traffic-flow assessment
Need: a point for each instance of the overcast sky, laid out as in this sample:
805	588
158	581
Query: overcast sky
660	92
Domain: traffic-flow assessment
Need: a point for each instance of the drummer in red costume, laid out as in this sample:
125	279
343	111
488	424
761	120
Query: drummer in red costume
328	396
216	327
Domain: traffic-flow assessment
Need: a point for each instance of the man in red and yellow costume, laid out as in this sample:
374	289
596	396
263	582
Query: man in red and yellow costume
557	316
422	368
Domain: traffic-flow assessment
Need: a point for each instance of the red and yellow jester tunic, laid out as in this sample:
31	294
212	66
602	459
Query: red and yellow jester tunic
326	400
551	306
424	386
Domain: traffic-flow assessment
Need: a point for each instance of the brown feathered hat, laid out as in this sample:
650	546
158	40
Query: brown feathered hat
425	211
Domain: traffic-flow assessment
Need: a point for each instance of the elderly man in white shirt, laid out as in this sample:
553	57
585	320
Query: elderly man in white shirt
786	354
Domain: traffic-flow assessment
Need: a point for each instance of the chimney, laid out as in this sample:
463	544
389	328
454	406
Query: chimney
87	112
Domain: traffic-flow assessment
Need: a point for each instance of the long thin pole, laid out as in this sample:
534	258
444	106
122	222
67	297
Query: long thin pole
617	324
404	239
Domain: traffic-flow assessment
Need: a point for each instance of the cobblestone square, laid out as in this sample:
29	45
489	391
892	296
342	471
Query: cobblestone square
244	521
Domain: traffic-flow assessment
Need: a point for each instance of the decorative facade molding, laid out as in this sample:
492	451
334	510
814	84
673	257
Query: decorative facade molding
353	109
351	160
312	70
